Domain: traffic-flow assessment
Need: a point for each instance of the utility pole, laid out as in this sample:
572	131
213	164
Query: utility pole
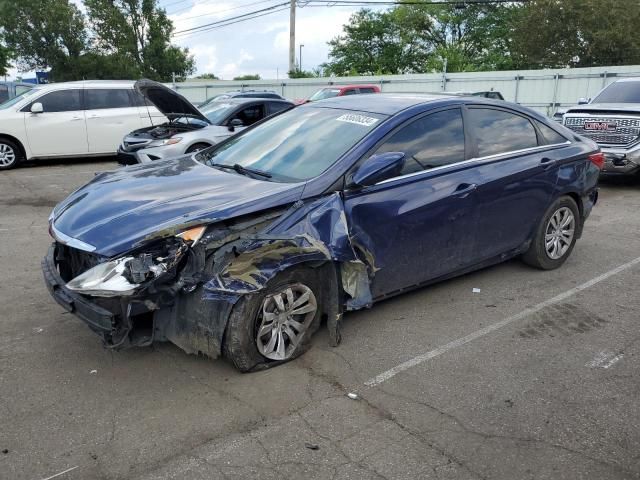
300	57
292	36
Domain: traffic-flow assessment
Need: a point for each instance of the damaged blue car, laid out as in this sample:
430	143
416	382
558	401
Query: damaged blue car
245	249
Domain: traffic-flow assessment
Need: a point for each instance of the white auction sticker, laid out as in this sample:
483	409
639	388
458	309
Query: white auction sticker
357	119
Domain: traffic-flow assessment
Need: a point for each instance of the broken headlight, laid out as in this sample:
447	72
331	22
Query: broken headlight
123	276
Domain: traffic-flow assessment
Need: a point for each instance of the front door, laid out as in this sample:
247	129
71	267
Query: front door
60	129
419	225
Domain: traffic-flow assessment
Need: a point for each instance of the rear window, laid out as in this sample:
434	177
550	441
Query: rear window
100	98
498	131
620	92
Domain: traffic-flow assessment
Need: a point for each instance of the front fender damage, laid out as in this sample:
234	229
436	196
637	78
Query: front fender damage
241	258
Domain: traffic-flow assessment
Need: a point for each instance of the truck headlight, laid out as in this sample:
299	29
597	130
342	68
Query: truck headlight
123	276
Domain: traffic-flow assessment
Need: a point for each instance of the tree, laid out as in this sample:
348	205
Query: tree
207	76
577	33
247	77
138	31
297	73
5	58
45	34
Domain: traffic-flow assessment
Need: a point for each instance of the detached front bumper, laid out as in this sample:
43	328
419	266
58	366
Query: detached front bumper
620	161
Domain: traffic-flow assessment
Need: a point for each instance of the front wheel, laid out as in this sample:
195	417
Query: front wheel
275	325
555	236
10	154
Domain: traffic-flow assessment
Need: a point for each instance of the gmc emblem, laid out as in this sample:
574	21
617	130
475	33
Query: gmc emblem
601	126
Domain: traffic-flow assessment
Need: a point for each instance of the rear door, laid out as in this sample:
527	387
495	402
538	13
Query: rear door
518	172
111	114
60	129
419	225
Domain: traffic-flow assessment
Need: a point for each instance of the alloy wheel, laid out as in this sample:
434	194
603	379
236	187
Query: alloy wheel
7	155
559	233
283	320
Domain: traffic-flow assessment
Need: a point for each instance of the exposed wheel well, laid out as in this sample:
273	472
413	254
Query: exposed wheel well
17	142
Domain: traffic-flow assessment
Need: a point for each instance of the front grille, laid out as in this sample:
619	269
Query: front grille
72	262
627	129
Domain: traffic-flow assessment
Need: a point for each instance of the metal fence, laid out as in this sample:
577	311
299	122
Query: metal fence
542	90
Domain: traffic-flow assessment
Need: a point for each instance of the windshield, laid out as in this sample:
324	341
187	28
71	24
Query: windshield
297	145
18	98
620	92
217	112
324	93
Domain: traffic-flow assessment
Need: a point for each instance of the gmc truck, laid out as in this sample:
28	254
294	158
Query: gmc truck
612	120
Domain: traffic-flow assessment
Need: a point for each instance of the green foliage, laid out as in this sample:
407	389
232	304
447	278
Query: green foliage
207	76
116	39
297	73
535	34
247	77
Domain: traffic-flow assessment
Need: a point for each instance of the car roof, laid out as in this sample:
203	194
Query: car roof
383	103
241	100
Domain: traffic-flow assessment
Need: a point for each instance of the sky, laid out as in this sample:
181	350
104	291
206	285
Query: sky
255	46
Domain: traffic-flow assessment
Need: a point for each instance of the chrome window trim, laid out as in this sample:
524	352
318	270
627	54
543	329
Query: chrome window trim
476	160
69	241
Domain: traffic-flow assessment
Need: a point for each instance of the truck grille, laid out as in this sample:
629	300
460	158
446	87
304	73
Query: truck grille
627	129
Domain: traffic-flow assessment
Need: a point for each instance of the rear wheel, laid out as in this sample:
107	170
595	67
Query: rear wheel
10	154
275	325
556	235
196	147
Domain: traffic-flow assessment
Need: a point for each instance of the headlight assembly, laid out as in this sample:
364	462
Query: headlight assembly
167	141
123	276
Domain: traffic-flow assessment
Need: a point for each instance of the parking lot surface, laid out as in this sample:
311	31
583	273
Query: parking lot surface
532	375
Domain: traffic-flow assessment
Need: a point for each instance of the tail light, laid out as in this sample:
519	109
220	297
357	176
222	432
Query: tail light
597	159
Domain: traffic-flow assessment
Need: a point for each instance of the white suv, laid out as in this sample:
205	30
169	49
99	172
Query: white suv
87	118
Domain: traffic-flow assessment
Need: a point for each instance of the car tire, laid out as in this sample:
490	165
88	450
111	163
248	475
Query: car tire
555	236
10	154
196	147
243	344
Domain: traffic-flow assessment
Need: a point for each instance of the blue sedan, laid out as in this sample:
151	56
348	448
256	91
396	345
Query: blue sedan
245	248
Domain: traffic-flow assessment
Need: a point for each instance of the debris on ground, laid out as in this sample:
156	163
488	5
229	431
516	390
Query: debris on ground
352	396
93	371
476	290
312	446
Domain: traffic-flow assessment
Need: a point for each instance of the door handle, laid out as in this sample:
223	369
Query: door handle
547	162
464	189
74	119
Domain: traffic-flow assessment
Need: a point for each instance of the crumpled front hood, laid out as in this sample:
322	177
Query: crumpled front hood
120	210
622	108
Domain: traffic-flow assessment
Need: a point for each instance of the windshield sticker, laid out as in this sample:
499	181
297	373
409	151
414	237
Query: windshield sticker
357	119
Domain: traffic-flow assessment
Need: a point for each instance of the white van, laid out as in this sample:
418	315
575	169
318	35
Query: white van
72	119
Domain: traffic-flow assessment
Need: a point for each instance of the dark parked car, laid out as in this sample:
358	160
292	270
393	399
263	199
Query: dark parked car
244	248
242	94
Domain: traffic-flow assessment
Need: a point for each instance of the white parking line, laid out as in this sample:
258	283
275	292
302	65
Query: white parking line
605	360
392	372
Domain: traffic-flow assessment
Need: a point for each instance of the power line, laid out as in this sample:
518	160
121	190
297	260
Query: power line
222	11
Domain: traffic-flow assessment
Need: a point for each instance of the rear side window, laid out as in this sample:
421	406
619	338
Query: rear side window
100	98
60	101
275	107
431	141
498	131
138	99
367	90
549	135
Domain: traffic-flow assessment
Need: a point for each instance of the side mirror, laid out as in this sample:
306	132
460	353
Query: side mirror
233	124
378	167
37	108
583	101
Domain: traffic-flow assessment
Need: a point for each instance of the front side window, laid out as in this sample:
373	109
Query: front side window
428	142
498	131
61	101
297	145
100	98
351	91
250	115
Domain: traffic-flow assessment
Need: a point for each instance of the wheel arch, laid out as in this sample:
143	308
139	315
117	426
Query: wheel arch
13	139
